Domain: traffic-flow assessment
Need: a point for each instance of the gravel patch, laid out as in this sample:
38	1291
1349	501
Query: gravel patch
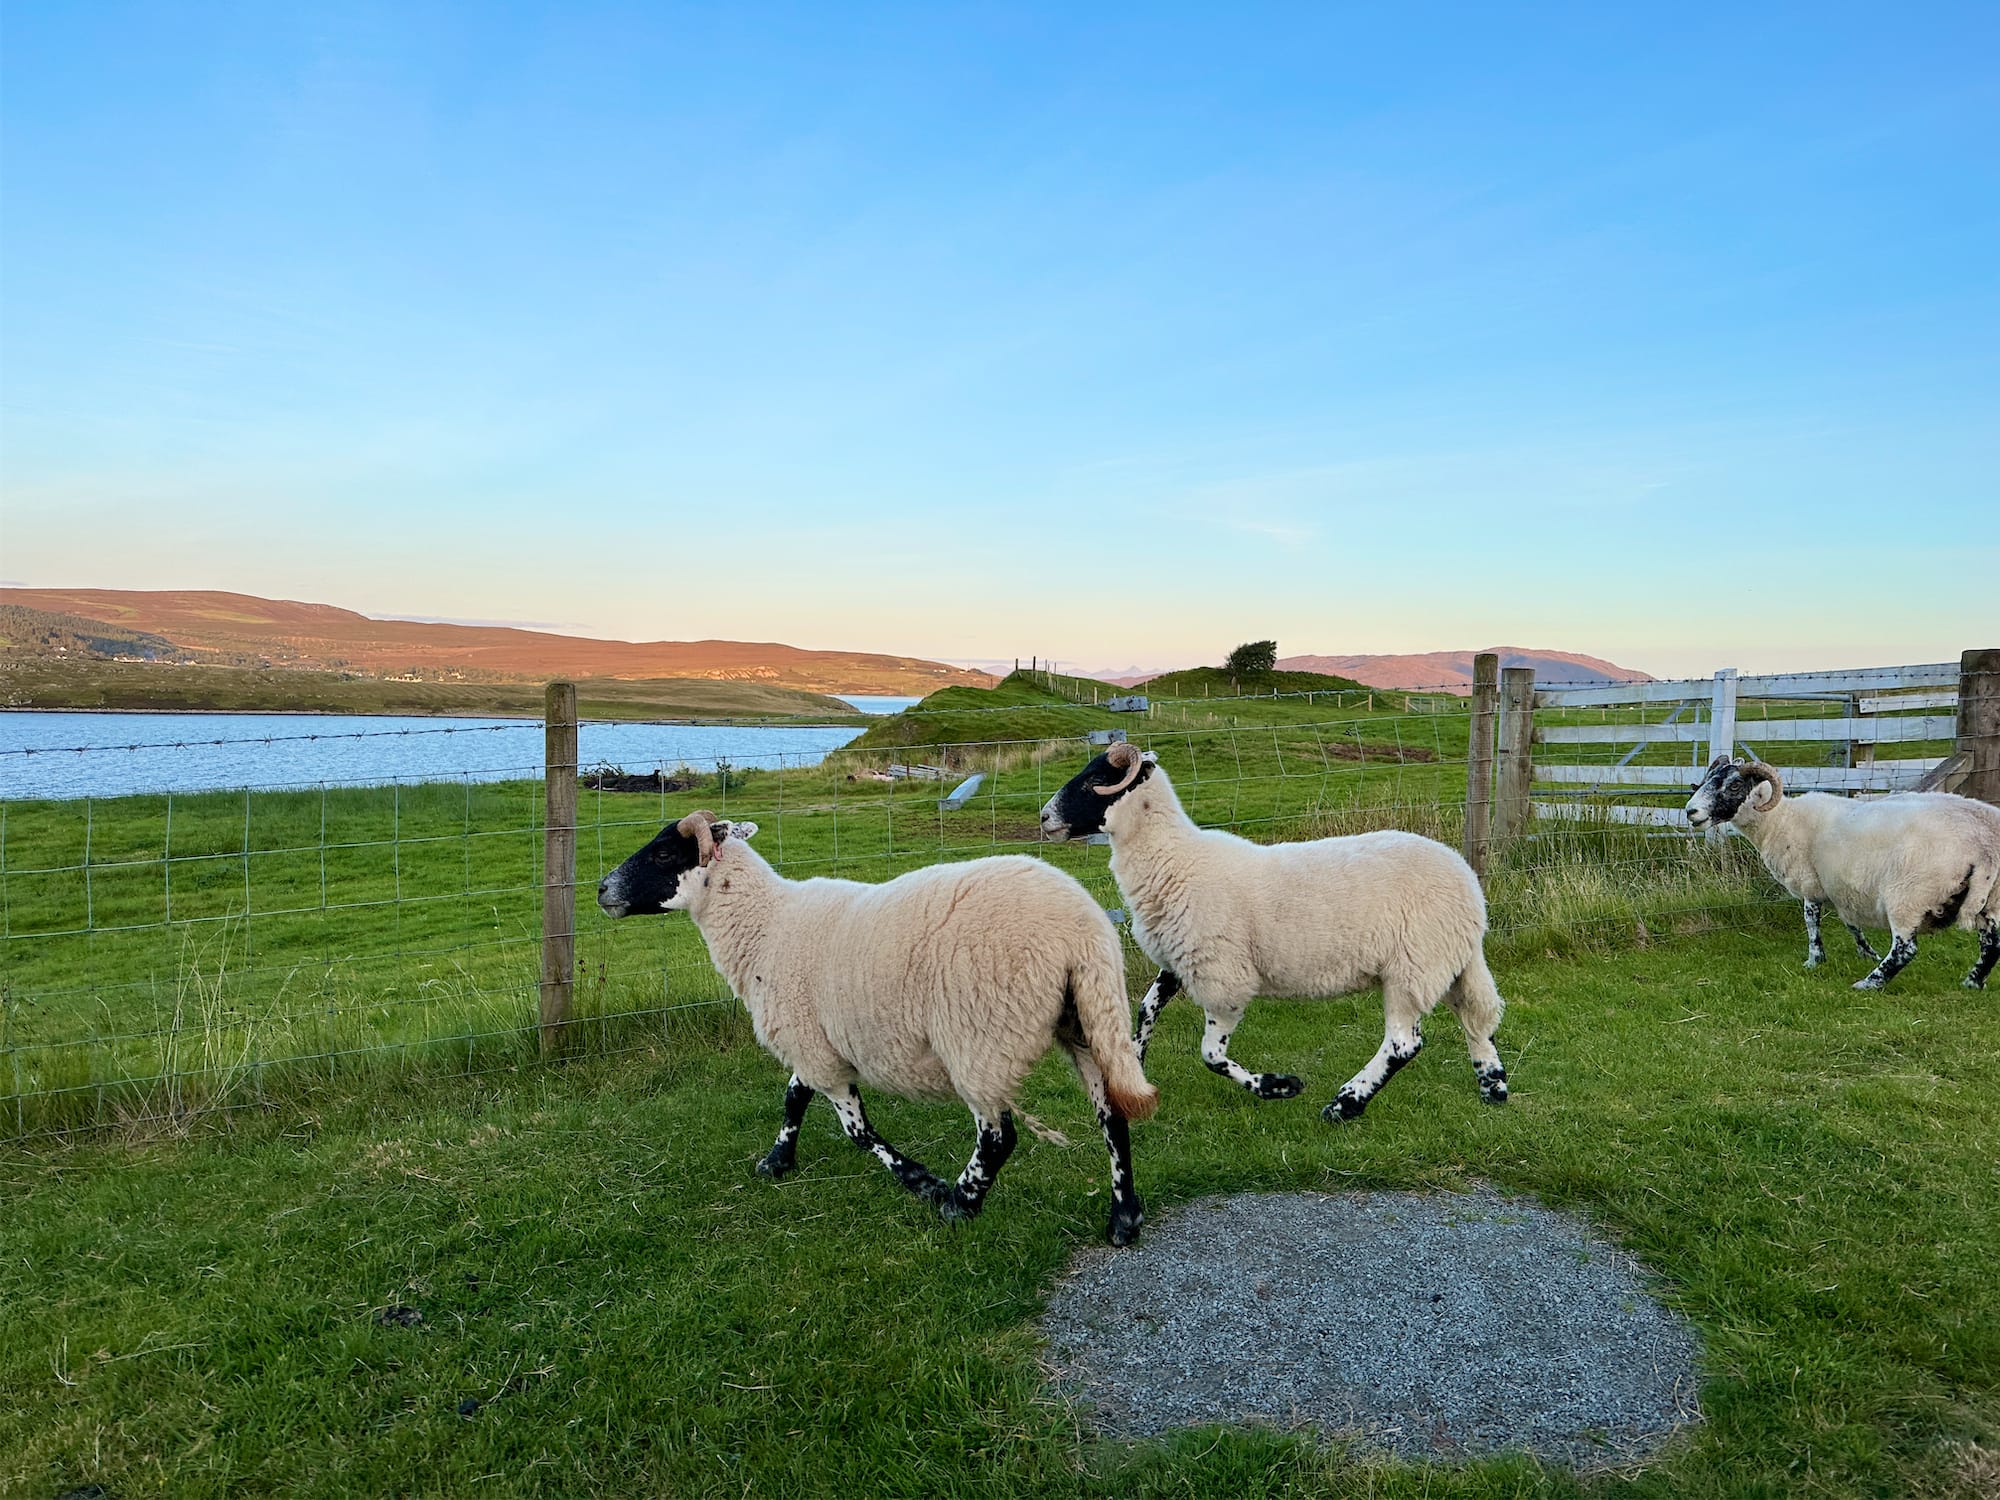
1436	1325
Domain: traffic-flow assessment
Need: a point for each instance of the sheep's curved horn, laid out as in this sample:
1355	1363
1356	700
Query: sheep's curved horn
696	826
1756	771
1122	757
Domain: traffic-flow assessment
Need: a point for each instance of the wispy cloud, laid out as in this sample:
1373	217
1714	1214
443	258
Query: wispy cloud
1288	533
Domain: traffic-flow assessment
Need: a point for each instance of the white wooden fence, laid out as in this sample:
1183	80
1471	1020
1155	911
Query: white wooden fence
1869	711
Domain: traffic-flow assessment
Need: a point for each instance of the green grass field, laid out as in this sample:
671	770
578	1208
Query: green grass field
1809	1171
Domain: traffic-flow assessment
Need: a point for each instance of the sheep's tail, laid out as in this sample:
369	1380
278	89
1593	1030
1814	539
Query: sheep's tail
1035	1127
1988	906
1097	985
1476	999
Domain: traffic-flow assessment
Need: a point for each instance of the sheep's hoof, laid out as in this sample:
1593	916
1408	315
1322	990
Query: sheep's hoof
1870	983
1279	1086
954	1208
775	1164
945	1198
1345	1107
1972	984
1125	1222
1492	1082
1814	960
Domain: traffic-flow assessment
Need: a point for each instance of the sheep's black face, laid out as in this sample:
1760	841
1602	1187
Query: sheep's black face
1077	811
1719	796
651	879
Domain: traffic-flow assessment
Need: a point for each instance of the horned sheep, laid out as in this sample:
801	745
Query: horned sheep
953	979
1228	920
1913	862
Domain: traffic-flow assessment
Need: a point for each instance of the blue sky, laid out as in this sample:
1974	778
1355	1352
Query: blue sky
1118	334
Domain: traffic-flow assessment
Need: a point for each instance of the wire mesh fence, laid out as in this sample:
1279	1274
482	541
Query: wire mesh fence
168	952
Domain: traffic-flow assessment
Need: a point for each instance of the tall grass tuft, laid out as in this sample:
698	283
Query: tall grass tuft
1589	884
1582	884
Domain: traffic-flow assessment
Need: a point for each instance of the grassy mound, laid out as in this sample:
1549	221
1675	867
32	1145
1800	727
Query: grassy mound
1017	708
1217	683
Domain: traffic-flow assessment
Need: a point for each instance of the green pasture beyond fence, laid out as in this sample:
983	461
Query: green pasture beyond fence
166	956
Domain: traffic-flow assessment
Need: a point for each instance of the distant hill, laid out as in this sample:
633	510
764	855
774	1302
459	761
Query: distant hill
1451	671
1434	671
39	633
246	631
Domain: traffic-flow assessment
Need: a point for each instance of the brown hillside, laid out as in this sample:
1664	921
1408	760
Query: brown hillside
283	632
1451	671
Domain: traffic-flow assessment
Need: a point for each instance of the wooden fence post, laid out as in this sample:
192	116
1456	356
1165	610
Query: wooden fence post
1979	723
1722	715
1479	760
559	864
1511	810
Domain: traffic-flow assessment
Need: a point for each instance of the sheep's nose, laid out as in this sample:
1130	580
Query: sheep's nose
603	885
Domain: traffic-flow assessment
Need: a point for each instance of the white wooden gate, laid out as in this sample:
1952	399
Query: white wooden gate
1876	723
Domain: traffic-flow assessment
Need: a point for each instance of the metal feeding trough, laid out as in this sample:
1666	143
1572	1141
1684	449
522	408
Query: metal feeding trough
1107	736
1137	703
963	793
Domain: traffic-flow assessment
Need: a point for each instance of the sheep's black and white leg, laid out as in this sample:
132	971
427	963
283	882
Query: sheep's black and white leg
996	1144
1402	1039
784	1156
1492	1079
1127	1212
1151	1004
1861	944
1477	1003
1215	1052
1815	949
1901	950
913	1174
1989	954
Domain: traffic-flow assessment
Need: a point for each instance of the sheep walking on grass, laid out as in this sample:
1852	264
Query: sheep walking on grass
954	979
1914	862
1228	920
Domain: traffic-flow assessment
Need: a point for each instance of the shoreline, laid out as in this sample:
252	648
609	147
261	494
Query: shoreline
859	716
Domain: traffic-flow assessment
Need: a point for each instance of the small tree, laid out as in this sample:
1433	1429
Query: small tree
1252	659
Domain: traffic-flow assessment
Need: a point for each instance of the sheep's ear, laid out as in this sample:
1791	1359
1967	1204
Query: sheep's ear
1148	758
742	830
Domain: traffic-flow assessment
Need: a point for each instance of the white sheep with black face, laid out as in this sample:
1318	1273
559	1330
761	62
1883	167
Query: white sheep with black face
954	979
1228	920
1913	862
